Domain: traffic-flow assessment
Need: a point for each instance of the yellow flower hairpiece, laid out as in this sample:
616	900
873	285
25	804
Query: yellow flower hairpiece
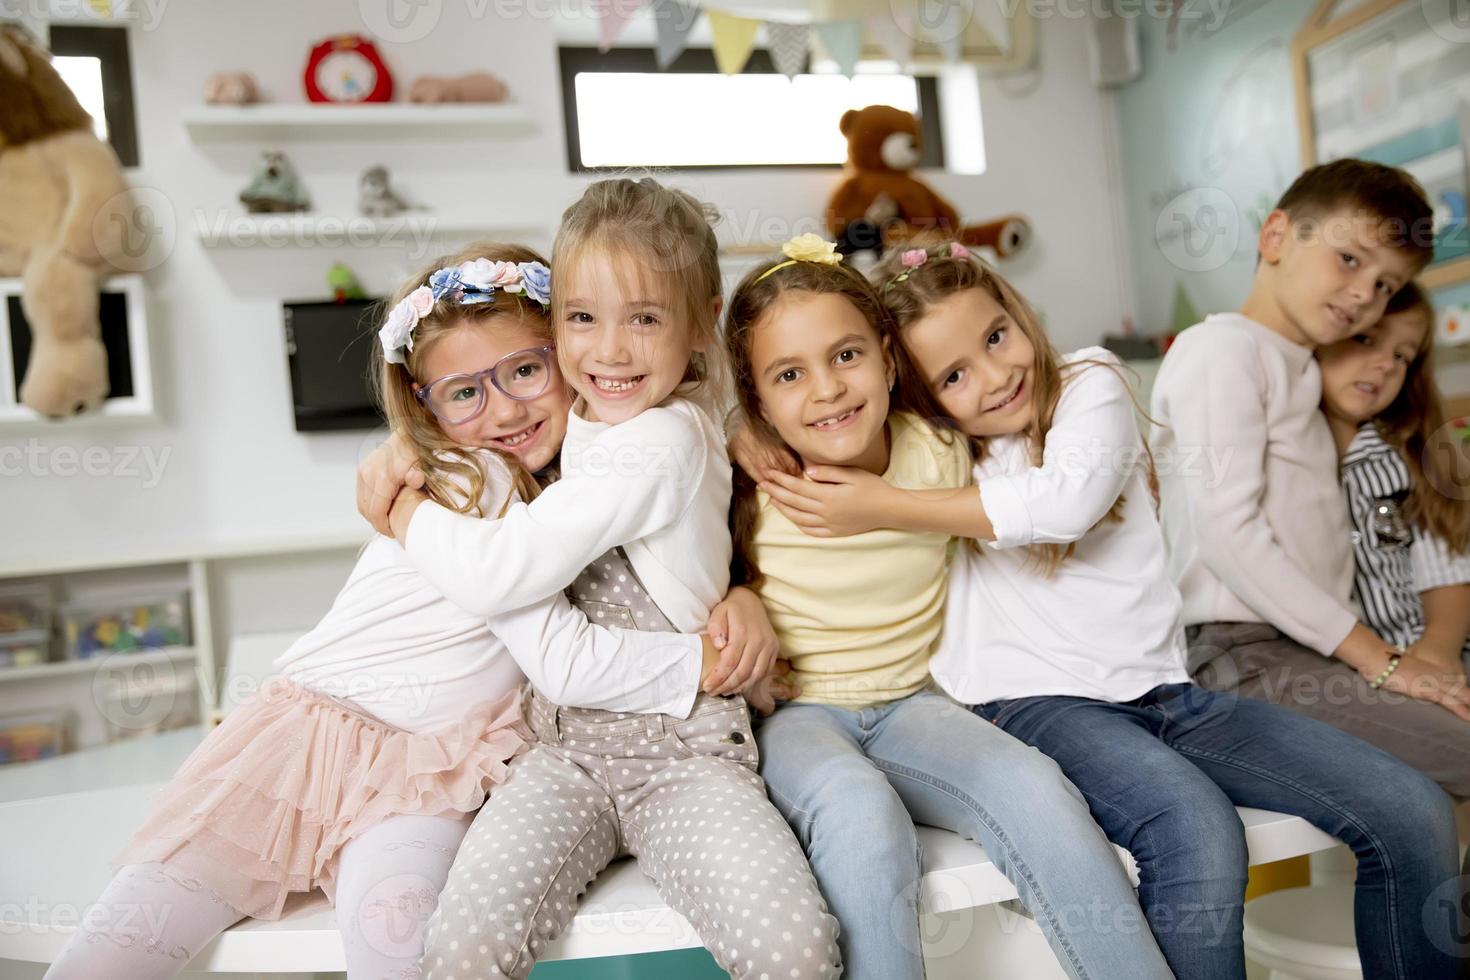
810	247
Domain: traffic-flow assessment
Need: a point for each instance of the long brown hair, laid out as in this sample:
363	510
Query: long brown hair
446	465
757	293
670	235
1414	423
909	293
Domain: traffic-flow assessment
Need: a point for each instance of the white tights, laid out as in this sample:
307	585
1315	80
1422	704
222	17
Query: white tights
151	920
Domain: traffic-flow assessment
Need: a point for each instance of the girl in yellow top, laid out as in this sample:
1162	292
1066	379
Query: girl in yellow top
868	749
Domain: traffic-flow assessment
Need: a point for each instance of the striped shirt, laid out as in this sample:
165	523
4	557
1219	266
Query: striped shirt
1393	560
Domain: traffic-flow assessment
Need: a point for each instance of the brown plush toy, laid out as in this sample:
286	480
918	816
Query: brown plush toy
881	203
477	86
63	217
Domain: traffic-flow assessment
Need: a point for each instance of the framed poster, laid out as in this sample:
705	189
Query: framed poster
1389	81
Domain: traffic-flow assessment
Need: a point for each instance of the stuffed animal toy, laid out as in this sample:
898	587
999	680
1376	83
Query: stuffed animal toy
477	86
231	88
376	197
64	218
344	283
881	203
274	186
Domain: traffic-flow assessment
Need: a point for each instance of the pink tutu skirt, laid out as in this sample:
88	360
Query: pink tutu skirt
264	805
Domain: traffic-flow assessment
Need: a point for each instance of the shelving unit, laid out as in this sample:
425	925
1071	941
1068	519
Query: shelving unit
308	121
60	668
311	230
235	587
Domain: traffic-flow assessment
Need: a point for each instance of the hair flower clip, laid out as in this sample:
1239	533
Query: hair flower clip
810	247
467	284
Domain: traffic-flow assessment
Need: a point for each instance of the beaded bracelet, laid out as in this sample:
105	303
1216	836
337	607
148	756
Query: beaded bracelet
1393	665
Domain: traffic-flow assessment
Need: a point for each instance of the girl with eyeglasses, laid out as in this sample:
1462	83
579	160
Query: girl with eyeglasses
358	768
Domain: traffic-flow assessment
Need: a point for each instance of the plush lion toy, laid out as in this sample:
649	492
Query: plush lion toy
63	215
881	203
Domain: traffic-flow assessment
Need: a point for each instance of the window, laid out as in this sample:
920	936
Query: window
621	111
94	63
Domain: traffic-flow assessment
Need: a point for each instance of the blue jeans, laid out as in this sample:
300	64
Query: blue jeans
1163	773
853	783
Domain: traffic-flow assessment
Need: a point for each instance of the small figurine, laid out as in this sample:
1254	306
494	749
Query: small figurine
376	197
231	88
477	86
344	283
274	187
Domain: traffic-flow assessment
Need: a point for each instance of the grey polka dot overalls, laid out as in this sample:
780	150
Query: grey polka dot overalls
681	795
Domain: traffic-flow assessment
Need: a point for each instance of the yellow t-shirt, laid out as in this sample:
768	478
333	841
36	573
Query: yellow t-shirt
859	616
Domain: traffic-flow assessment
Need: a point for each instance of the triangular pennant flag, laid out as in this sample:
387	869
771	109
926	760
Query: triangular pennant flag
674	21
789	46
843	41
734	38
943	22
894	35
991	17
615	15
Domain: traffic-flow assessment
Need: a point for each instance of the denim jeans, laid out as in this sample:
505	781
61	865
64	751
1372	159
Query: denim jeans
854	783
1163	773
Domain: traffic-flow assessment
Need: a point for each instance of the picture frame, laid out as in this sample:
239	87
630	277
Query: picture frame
1389	81
125	333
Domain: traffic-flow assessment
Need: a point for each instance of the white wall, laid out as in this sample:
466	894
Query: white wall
236	469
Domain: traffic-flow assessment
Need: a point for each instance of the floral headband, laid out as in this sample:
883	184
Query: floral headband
810	247
467	283
915	257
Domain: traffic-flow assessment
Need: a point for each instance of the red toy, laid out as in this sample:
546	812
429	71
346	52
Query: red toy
347	68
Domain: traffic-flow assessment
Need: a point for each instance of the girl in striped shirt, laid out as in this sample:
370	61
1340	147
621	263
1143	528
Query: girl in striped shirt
1403	474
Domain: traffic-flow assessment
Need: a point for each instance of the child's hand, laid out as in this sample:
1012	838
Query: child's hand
756	456
1442	656
401	513
1427	681
742	633
775	686
388	468
834	502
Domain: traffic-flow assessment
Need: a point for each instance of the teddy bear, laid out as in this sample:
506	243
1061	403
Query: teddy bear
880	203
64	214
477	86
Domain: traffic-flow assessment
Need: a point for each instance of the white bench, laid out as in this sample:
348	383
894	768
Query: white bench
54	853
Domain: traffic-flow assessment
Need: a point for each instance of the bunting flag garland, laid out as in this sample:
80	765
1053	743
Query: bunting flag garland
734	39
943	23
843	41
789	44
674	21
894	34
615	17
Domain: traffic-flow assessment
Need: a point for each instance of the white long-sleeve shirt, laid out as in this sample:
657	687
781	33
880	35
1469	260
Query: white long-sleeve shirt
395	646
1106	624
658	485
1248	478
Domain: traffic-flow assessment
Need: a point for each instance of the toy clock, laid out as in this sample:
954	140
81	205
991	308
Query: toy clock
347	68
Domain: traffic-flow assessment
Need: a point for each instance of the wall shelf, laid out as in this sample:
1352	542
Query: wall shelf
322	122
313	230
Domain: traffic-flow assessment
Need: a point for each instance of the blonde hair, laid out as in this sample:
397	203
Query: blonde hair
942	275
670	235
1414	423
446	465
